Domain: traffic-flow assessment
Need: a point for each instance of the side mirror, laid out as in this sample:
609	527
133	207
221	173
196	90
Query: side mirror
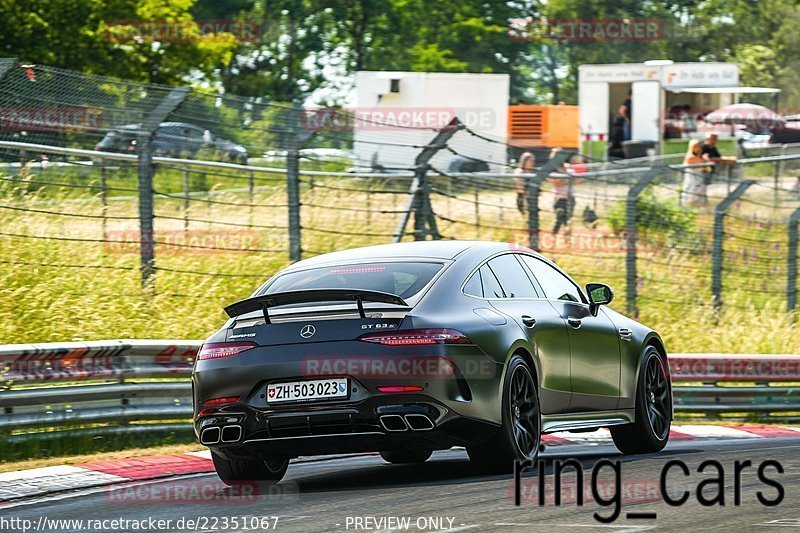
599	294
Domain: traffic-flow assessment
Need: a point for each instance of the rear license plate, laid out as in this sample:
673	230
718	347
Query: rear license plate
320	389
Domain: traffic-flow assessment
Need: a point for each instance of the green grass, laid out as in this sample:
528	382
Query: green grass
41	300
91	442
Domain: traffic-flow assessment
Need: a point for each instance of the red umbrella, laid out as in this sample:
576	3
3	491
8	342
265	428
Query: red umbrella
751	115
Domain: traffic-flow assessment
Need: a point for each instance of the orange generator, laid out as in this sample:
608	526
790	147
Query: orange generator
543	126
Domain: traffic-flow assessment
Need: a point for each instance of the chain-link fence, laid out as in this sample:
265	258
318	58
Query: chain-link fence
107	184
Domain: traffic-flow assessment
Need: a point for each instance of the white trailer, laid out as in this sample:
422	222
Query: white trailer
655	86
417	102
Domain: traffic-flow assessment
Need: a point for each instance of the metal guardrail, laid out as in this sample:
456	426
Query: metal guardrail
79	383
114	383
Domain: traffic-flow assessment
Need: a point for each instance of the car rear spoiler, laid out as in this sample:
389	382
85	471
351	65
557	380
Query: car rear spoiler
265	301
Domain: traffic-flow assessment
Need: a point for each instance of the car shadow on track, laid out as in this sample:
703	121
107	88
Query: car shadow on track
452	469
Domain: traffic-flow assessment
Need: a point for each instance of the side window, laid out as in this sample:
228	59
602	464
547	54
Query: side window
168	131
491	287
555	285
195	133
512	277
473	286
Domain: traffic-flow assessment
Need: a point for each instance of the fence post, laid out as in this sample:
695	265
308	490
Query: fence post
719	237
293	199
632	234
423	212
419	202
146	171
791	278
146	237
533	188
101	167
777	178
186	198
298	140
251	188
6	64
476	201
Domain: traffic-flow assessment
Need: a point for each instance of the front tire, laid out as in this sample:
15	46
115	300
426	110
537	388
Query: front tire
519	437
235	471
399	457
650	432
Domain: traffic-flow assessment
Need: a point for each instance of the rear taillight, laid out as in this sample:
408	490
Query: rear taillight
215	402
400	388
416	337
217	350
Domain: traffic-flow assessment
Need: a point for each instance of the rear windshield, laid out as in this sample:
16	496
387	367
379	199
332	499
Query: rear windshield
403	279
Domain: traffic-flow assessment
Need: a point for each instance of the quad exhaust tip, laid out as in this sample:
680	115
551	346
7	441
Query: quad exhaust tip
419	422
414	422
393	423
210	436
216	435
231	433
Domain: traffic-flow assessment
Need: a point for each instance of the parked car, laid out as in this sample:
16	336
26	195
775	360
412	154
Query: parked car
413	347
174	139
788	134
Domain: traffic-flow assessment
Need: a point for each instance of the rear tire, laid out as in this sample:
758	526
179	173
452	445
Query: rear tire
650	432
399	457
235	471
519	437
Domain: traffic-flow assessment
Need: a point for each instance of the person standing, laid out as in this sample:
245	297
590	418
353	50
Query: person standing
694	179
626	112
710	153
563	191
526	161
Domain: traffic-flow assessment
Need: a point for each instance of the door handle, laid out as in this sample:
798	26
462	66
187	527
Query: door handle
574	322
528	320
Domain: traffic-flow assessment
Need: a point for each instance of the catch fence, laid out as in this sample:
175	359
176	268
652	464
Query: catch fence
137	228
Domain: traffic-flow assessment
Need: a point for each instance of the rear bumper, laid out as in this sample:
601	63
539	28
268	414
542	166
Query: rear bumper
377	424
461	402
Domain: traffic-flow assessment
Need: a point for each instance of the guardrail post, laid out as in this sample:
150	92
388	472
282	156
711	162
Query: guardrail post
533	188
419	202
146	173
719	237
632	233
791	277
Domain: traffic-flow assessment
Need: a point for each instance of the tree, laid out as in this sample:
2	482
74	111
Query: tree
283	63
84	35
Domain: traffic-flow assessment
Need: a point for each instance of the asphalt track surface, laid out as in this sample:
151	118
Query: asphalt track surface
361	493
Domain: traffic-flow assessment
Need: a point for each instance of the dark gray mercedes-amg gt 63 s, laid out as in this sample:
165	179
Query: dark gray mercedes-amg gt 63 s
408	348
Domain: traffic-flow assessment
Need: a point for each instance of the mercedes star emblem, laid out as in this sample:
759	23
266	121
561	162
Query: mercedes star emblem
308	331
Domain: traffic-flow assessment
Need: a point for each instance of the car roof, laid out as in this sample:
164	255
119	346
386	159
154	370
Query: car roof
180	124
442	250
